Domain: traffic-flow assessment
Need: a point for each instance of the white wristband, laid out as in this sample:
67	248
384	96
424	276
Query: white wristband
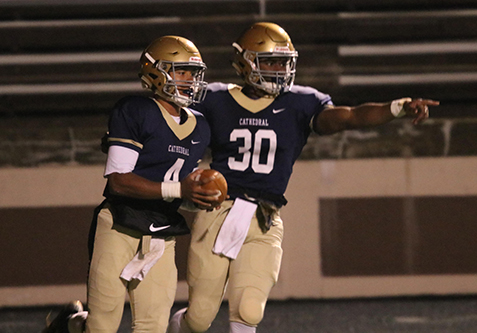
171	190
397	107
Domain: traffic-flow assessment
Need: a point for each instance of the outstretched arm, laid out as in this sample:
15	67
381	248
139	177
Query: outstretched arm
340	118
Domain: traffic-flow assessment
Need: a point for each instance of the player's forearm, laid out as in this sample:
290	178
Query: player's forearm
342	118
369	115
134	186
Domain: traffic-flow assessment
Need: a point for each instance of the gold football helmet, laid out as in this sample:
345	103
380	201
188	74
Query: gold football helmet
165	57
265	40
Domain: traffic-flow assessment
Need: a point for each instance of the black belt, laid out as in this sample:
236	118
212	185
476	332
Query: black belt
245	193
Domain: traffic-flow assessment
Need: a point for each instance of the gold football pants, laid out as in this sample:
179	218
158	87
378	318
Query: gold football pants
151	299
249	278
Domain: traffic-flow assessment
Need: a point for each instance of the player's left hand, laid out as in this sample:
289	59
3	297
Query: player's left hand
419	109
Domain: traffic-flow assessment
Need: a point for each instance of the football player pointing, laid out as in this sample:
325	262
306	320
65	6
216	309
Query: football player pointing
154	146
258	131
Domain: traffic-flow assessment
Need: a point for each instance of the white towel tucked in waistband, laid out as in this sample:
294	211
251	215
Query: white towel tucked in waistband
138	267
235	228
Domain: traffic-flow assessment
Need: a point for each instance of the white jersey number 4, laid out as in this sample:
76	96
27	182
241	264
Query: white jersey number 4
172	175
251	150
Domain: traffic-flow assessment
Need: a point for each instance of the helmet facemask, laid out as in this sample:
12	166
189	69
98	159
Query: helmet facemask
271	81
172	68
266	43
181	92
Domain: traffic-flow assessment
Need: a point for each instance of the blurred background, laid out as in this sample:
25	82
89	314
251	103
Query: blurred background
384	212
65	63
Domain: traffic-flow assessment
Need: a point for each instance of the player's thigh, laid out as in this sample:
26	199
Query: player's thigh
113	249
202	263
207	272
260	255
254	273
152	298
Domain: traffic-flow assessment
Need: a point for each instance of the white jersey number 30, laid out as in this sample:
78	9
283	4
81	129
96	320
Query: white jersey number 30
252	148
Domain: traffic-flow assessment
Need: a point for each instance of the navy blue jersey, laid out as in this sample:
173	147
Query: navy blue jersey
256	142
168	151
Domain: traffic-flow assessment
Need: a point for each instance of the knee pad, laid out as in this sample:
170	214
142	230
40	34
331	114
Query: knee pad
252	306
204	304
197	323
196	326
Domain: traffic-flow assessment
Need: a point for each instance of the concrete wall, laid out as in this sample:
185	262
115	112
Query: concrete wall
313	237
353	228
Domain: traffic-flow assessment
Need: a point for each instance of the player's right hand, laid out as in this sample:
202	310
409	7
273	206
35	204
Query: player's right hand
192	190
419	109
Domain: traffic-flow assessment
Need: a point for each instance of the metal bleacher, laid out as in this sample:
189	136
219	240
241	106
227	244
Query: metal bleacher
78	57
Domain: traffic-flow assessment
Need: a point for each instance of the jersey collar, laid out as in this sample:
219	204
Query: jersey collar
252	105
183	130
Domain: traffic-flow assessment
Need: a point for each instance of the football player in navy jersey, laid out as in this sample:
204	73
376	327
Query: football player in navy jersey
258	131
155	144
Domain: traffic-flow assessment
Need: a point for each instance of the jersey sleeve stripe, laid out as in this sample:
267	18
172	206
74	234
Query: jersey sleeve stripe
132	142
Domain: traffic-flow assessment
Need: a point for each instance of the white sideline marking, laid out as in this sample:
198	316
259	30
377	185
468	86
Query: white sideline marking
426	320
421	78
411	320
407	49
68	88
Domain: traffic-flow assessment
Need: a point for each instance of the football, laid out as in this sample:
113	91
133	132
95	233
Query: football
218	182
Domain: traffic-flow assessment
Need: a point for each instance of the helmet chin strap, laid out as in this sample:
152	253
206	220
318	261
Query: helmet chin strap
176	96
267	87
275	85
180	100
